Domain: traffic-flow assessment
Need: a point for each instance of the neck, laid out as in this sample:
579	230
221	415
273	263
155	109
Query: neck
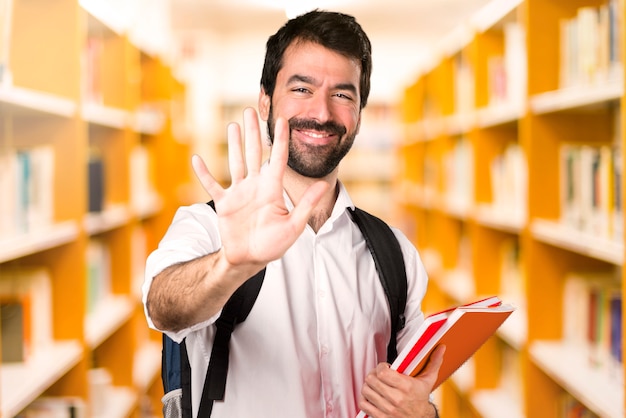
296	185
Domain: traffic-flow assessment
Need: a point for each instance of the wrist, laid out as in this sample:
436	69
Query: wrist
435	409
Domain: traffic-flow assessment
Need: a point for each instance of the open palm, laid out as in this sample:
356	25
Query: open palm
255	225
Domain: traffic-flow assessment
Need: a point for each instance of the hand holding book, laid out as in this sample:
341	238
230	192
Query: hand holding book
463	330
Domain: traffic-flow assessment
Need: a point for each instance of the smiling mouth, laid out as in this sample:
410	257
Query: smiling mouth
315	137
316	133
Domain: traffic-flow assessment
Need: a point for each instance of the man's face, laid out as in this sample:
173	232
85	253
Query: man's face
317	91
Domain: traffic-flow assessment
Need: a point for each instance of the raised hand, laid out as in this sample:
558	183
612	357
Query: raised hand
255	225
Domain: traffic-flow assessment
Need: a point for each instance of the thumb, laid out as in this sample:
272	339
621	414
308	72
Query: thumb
431	371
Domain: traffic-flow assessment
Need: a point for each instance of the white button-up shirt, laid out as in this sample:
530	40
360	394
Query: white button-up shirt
320	324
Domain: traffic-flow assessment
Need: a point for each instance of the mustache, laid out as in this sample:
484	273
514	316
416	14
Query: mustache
330	126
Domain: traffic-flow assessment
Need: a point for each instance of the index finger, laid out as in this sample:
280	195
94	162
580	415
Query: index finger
280	148
208	182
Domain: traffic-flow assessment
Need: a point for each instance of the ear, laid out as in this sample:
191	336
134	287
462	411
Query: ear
264	105
358	125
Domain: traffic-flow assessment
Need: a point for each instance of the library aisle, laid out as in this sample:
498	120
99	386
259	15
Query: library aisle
512	184
86	151
507	176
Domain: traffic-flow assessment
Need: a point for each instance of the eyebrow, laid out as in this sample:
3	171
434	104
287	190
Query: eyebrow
310	80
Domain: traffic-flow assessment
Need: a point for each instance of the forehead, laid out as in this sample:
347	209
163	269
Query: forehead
313	59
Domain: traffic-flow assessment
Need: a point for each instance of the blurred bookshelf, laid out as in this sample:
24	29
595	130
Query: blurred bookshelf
511	184
90	132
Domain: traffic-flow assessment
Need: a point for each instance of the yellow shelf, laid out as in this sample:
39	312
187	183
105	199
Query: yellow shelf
595	387
19	100
108	316
32	242
562	236
507	90
97	95
21	383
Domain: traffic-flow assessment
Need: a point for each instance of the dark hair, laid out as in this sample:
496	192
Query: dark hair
336	31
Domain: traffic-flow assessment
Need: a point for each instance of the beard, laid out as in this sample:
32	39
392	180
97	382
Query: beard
314	161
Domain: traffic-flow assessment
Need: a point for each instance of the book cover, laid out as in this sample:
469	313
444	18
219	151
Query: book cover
13	323
32	287
56	407
463	330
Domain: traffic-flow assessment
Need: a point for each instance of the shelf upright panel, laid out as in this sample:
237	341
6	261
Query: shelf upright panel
566	110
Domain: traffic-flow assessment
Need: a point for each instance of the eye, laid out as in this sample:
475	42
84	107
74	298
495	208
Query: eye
344	96
300	90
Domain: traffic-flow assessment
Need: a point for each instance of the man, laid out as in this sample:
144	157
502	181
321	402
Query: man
316	339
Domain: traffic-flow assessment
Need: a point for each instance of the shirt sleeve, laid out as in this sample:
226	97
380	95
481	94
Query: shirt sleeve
417	283
192	233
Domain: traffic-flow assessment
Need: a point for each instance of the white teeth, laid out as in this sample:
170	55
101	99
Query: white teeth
316	135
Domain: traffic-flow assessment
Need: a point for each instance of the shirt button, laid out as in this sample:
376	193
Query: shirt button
324	349
321	294
329	407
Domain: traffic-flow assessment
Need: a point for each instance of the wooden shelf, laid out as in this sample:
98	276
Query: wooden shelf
148	206
109	315
491	403
106	116
147	366
111	218
501	90
97	95
120	403
499	219
559	235
148	121
499	115
23	101
597	390
577	97
21	383
39	240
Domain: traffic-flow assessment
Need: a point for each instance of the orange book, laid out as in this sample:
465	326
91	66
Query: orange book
463	330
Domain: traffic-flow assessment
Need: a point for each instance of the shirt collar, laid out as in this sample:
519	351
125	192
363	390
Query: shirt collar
341	204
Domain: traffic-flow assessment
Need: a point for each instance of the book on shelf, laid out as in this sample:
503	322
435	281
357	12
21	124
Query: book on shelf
55	407
506	73
25	294
26	189
512	275
515	63
100	383
6	18
142	190
96	183
139	253
14	326
458	185
589	45
462	329
570	407
98	273
509	179
592	316
463	84
92	64
590	199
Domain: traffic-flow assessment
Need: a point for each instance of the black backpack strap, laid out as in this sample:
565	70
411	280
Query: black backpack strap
235	311
185	381
387	255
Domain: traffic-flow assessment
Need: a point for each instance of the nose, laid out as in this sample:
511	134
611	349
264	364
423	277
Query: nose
320	108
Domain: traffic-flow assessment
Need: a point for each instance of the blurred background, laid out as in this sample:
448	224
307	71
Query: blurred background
492	138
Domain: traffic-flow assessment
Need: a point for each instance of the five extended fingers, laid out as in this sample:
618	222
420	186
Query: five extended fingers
253	151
